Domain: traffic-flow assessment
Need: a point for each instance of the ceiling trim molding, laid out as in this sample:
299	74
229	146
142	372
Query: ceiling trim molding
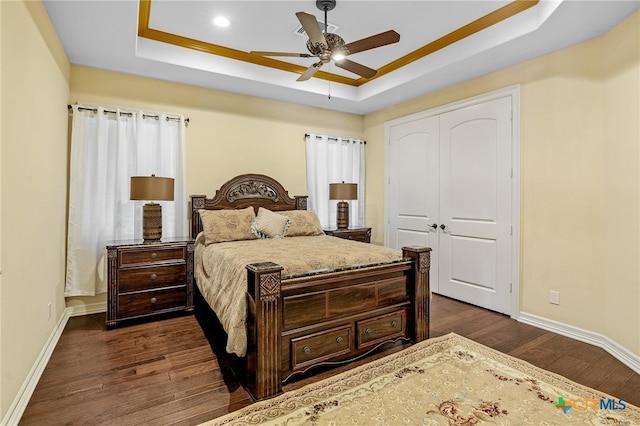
486	21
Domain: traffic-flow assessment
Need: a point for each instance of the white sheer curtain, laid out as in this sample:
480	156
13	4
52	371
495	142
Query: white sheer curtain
332	160
108	146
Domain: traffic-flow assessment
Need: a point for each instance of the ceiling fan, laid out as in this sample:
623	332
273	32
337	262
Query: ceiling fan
327	46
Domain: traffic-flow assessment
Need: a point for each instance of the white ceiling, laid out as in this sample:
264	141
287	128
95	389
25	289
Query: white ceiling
104	34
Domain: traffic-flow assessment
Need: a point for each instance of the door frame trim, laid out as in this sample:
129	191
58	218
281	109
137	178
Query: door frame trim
514	93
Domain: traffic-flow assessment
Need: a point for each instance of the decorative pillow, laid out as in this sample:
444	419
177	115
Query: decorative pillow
227	225
268	224
303	223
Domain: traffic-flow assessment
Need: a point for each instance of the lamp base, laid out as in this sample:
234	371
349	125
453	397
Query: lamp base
343	215
152	222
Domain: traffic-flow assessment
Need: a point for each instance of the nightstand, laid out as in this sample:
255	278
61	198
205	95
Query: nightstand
356	234
149	279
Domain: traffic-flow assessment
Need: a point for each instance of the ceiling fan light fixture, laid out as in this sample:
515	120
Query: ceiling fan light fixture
338	55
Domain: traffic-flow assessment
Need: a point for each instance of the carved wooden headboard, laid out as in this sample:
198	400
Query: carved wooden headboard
243	191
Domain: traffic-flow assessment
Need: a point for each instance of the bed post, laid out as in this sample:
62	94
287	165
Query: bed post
421	257
301	202
264	358
197	202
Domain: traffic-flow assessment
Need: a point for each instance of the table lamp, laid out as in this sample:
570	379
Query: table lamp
343	191
151	188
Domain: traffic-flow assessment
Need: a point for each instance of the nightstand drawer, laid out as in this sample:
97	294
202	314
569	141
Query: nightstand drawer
148	302
356	236
149	278
151	255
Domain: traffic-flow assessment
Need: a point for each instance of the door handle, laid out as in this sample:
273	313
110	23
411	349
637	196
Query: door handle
442	226
434	226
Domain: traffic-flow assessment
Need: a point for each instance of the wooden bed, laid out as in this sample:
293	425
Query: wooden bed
320	319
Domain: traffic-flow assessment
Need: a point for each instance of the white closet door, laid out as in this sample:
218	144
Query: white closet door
412	164
475	204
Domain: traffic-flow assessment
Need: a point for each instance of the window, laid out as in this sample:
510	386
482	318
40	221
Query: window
108	146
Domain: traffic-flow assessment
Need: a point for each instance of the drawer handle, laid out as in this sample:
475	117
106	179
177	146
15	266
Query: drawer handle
153	300
394	324
154	255
306	350
339	339
368	331
153	277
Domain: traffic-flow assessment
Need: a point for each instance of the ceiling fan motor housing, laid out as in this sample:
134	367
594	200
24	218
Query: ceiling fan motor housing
334	42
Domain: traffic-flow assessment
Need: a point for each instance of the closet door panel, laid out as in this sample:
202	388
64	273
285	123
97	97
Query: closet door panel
412	206
475	204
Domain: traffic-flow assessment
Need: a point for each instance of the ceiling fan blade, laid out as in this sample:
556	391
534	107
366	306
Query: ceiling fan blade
298	55
378	40
311	27
356	68
310	72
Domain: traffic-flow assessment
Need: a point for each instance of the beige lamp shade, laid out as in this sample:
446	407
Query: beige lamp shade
343	191
152	188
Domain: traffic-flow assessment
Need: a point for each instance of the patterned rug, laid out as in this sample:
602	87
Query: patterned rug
448	380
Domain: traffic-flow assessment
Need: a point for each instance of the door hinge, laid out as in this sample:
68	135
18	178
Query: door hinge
510	287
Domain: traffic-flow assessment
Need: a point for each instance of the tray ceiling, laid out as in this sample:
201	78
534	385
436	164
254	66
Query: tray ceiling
441	43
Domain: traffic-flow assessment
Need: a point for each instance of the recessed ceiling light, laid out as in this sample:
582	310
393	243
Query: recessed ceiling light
221	21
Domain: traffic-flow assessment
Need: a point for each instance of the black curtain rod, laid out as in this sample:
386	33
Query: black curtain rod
129	114
306	135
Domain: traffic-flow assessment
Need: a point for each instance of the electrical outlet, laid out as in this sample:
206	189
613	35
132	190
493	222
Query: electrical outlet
49	308
554	297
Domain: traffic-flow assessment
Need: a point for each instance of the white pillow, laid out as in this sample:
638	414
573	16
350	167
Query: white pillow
268	224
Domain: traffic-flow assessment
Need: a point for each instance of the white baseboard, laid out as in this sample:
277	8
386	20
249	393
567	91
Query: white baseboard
621	353
92	308
19	404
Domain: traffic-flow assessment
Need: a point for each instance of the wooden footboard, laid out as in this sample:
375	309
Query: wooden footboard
302	323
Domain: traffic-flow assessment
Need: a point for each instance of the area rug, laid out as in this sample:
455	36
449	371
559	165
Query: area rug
448	380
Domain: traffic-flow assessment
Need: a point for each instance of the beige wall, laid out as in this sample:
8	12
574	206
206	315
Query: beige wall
579	179
620	247
228	134
33	170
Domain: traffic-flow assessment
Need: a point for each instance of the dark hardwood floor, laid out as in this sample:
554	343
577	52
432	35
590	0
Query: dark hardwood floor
165	372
